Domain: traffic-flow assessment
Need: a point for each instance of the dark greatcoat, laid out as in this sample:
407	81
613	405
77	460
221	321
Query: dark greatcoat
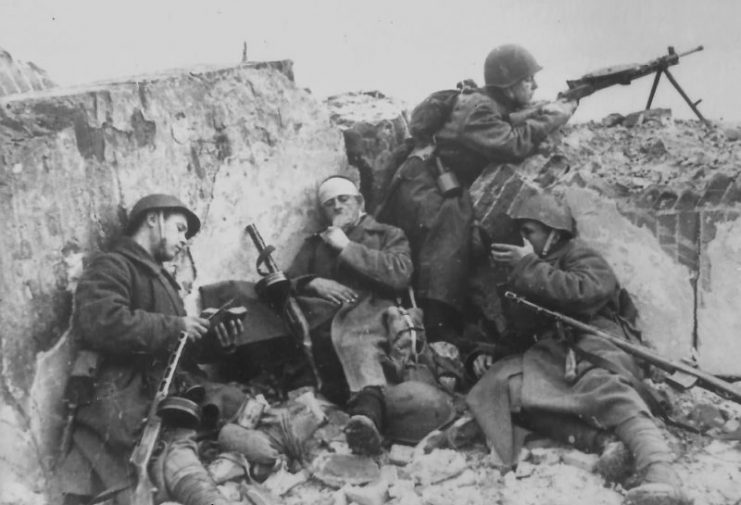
129	310
576	281
478	132
377	265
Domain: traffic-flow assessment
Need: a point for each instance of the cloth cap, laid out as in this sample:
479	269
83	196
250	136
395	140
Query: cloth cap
336	186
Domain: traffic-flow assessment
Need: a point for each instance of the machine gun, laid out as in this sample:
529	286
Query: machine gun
142	454
704	380
625	74
278	289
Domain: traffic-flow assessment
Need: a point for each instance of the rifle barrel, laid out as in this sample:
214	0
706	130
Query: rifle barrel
639	351
257	239
696	49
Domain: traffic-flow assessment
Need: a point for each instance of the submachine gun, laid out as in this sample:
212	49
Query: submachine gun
625	74
142	453
704	379
277	288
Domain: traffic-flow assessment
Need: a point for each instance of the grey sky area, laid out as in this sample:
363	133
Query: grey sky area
404	49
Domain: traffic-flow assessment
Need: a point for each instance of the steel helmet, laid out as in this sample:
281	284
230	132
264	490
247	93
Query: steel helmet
545	209
414	409
160	201
509	64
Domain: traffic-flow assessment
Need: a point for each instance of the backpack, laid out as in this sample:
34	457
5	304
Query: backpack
430	116
425	121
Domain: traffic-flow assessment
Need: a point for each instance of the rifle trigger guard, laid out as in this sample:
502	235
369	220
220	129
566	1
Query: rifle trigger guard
262	258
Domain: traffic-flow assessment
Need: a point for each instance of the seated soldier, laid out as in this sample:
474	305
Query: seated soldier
358	266
564	389
128	310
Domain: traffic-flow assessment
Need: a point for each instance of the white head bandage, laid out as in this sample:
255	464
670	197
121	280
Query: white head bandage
334	187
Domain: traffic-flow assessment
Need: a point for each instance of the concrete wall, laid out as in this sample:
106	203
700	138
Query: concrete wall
239	145
20	76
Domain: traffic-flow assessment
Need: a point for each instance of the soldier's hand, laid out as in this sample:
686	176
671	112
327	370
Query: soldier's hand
227	333
510	254
481	364
332	291
334	237
560	108
195	327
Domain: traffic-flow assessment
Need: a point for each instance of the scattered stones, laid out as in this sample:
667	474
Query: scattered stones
543	456
401	454
613	119
337	470
580	459
282	481
437	466
524	470
705	416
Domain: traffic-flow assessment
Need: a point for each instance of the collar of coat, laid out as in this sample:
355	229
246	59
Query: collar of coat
560	250
126	246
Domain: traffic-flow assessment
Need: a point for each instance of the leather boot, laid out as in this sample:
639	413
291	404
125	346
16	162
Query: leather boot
187	481
658	482
363	431
563	428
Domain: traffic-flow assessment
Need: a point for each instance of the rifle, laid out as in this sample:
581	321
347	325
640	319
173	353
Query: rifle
275	281
142	453
704	379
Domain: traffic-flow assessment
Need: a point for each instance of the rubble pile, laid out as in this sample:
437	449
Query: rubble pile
433	473
629	154
658	197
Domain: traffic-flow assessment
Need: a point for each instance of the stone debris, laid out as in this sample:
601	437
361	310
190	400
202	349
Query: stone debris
437	466
400	454
375	493
579	459
337	470
282	481
545	456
